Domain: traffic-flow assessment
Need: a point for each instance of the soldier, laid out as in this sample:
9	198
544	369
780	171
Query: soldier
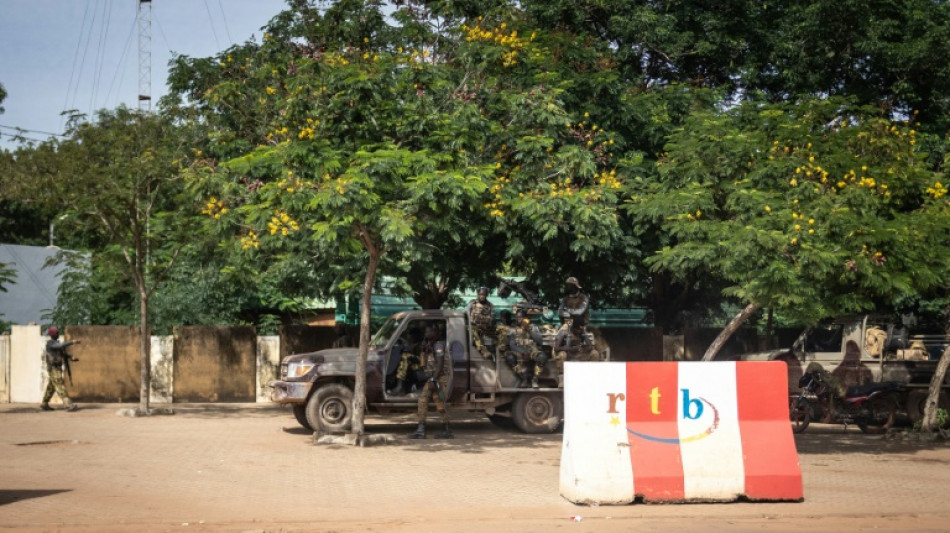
409	364
575	310
523	341
57	364
480	313
438	369
502	331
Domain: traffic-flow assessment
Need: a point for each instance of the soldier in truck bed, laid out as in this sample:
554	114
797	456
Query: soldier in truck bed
523	341
480	312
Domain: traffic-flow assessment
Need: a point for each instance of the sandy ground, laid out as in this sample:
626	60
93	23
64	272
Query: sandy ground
251	468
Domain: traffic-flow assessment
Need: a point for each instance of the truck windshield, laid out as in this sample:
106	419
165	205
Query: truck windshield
385	332
825	338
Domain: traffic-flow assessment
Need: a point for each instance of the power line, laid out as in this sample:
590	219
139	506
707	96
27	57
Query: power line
69	86
26	130
225	19
118	68
211	20
100	52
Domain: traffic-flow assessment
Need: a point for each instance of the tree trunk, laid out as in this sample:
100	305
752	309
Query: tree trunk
359	389
727	332
144	353
929	423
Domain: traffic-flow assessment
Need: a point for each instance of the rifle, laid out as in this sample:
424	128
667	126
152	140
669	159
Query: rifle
66	358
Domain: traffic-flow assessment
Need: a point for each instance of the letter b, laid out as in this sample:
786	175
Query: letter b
689	403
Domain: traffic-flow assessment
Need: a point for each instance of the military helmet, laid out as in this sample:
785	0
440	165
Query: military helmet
572	281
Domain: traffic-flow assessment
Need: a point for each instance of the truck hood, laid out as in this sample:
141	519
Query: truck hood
331	355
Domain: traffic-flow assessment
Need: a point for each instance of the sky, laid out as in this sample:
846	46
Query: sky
57	55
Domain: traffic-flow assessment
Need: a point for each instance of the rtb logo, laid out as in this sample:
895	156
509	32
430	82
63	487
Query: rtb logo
692	409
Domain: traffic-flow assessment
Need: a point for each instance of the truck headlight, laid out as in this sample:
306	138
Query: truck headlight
295	370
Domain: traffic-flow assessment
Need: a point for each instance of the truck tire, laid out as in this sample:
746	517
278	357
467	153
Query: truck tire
537	412
300	413
330	408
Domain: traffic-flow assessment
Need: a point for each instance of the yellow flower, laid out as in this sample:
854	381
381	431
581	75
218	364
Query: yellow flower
270	90
768	209
811	231
794	240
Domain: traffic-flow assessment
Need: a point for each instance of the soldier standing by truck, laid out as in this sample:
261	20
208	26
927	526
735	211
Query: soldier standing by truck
57	365
438	370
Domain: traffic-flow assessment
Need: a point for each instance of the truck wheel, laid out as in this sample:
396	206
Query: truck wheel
537	412
330	408
300	413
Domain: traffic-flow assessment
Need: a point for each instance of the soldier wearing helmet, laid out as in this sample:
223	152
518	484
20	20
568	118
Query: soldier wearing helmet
480	312
574	313
57	366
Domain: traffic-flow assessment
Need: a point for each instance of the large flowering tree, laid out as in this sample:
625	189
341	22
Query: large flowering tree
813	208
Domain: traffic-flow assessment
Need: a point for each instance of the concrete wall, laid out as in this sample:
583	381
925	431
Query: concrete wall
108	366
27	369
215	364
4	368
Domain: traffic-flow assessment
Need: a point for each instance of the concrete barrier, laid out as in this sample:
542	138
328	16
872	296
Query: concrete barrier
677	432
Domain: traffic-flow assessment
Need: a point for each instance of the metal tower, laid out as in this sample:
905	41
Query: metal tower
145	54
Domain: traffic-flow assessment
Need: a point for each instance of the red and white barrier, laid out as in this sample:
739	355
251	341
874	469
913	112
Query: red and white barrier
677	432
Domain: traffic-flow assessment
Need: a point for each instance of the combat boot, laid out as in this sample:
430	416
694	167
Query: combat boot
45	407
420	432
71	407
399	389
446	432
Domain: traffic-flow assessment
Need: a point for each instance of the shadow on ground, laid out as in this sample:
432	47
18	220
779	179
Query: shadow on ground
14	495
835	439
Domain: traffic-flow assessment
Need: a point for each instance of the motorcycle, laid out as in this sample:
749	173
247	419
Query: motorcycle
872	407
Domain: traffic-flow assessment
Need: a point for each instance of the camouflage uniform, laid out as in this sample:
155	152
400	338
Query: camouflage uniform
436	364
56	361
575	310
407	361
480	313
523	341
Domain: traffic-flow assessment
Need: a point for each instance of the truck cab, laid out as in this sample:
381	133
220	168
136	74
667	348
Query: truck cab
319	385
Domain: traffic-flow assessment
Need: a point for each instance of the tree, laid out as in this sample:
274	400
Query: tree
115	176
814	208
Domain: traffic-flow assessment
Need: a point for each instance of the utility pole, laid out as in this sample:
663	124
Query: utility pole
145	55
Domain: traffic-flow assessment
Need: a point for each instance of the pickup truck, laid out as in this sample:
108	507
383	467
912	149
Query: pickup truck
319	385
866	349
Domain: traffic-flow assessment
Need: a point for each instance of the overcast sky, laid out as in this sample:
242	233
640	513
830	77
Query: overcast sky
83	54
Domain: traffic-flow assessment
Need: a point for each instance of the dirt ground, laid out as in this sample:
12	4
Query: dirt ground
251	468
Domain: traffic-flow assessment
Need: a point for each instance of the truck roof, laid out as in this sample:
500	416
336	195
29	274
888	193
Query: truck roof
430	313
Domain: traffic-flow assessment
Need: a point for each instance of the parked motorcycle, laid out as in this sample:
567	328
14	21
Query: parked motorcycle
872	407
